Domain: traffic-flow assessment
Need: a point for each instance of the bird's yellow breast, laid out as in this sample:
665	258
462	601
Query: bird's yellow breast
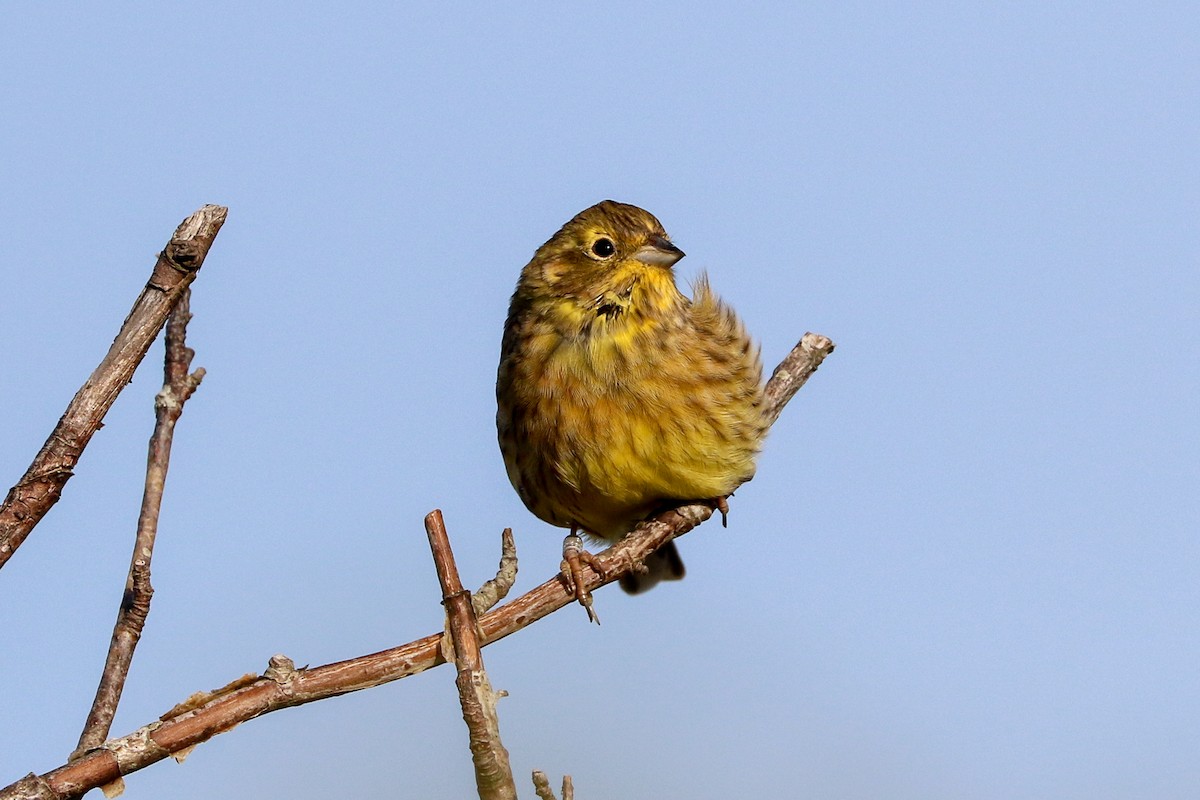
631	409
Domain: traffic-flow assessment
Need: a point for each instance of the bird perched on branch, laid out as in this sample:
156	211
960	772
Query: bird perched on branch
617	395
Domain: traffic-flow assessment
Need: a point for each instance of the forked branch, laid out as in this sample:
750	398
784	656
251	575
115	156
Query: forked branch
205	717
178	386
42	484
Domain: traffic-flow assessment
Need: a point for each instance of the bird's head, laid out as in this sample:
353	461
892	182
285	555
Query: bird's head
602	256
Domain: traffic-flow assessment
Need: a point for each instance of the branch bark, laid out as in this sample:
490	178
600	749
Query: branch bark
178	386
42	484
200	720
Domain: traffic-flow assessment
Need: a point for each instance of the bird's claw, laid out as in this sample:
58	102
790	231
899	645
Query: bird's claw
722	504
575	555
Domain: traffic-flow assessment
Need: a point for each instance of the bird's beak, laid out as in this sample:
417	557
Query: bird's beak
659	252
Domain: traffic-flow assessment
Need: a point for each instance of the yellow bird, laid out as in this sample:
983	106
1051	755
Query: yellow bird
617	396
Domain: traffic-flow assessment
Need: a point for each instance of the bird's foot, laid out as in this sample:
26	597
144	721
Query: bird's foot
575	555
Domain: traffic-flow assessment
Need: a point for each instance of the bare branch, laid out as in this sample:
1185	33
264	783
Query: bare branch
496	589
31	787
493	773
178	386
201	720
794	371
42	484
541	786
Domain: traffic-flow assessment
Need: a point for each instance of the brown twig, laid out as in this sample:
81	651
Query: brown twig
493	773
496	589
178	386
42	484
541	787
201	721
794	371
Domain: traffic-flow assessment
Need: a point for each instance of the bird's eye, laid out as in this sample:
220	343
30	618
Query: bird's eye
603	248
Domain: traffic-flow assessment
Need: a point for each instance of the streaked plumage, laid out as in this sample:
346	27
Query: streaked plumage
617	395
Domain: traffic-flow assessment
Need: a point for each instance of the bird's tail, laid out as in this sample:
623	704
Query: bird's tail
664	564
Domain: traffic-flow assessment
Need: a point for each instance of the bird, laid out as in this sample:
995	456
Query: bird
617	395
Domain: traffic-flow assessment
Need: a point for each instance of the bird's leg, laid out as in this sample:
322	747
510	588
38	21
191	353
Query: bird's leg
575	555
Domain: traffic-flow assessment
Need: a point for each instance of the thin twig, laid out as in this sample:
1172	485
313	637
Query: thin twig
794	371
42	484
496	589
178	386
493	773
541	787
227	709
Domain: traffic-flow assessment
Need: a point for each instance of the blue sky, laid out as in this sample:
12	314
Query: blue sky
968	566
